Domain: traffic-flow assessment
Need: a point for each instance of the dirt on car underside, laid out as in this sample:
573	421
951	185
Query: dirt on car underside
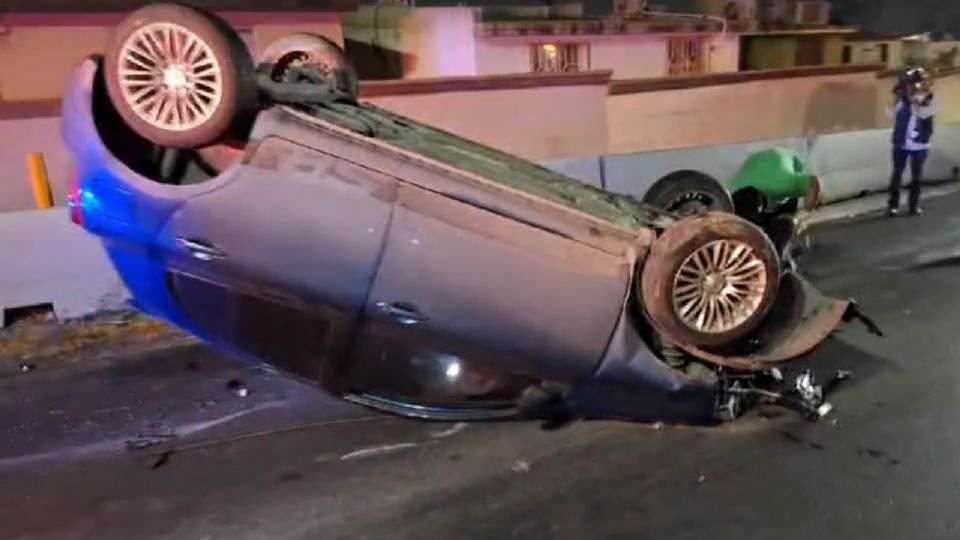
489	163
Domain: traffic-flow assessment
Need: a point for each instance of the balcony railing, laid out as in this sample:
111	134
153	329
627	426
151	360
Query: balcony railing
585	26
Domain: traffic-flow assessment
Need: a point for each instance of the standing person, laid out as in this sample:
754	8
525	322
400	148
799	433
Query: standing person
913	110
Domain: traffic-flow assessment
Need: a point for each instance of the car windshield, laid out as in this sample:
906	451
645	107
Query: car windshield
489	163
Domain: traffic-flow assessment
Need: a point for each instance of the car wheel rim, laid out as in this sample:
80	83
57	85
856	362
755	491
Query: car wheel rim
719	286
170	77
299	59
691	204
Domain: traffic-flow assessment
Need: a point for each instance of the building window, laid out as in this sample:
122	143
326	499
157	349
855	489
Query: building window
847	54
559	57
884	53
686	55
809	51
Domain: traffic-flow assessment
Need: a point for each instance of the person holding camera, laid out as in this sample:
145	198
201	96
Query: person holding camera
913	111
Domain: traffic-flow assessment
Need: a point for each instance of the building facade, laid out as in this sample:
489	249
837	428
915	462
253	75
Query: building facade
782	49
398	42
792	33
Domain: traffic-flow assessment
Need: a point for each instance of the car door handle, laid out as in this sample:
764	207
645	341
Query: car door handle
402	313
200	249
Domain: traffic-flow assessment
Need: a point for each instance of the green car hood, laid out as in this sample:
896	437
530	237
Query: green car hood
778	173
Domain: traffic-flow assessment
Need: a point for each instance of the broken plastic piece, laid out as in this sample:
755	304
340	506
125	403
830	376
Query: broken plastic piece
162	460
776	374
824	409
238	387
840	376
807	388
143	442
140	444
520	466
853	313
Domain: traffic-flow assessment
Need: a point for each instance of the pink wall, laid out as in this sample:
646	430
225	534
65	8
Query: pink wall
534	116
768	106
437	42
39	50
21	137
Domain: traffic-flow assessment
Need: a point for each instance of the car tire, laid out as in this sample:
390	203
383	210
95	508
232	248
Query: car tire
688	193
307	48
180	77
709	280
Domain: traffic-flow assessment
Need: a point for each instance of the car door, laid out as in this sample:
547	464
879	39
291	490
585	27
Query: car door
465	295
276	264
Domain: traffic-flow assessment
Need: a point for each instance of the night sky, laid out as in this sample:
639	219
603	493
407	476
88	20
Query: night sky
907	16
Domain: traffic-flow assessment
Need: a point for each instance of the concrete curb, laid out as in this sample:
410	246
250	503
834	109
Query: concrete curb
875	202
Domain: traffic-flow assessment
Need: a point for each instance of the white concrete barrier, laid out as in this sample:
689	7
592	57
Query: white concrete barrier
849	164
586	169
945	157
633	174
45	259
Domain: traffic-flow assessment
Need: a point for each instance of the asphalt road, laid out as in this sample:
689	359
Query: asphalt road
883	466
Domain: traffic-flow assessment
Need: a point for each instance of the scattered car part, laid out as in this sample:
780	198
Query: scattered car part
853	313
803	395
238	387
162	460
808	398
805	387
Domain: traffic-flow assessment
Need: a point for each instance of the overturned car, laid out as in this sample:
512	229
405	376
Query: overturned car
263	209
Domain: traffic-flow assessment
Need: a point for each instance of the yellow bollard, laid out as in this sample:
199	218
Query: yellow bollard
42	195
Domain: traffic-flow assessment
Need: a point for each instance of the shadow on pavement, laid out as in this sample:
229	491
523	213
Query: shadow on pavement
836	355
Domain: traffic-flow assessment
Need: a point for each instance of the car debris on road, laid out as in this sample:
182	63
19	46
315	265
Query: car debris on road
801	394
238	387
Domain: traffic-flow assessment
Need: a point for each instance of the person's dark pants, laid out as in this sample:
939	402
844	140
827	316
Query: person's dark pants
916	159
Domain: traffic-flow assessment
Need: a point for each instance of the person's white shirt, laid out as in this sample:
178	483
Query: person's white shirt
917	112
